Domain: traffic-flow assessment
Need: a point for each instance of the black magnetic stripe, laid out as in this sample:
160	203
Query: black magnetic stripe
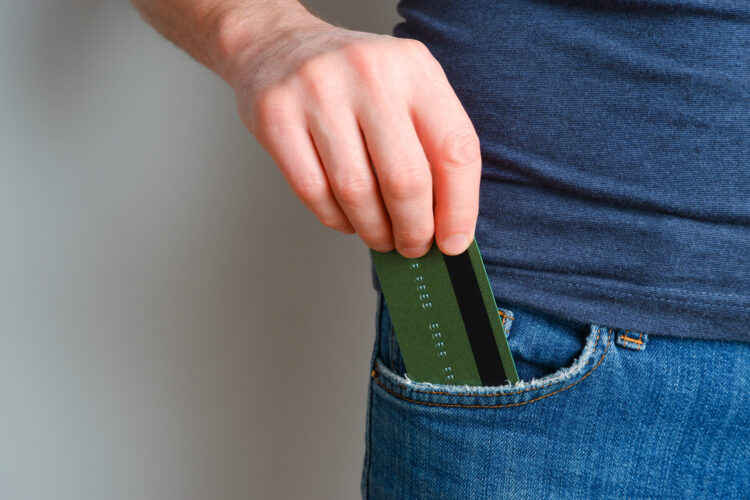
476	321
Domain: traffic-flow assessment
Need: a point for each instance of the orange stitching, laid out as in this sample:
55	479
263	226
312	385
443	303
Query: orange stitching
501	313
635	341
500	406
497	393
505	319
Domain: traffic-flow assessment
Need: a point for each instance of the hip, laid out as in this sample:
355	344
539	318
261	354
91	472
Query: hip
599	412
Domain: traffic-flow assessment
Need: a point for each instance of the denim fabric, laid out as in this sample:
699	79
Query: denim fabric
615	140
599	412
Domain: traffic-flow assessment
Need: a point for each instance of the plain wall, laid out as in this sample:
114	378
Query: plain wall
174	323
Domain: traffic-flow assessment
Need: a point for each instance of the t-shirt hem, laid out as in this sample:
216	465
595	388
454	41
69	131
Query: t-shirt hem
655	311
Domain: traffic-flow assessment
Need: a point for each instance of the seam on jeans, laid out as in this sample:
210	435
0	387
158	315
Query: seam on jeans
390	346
422	391
457	405
636	294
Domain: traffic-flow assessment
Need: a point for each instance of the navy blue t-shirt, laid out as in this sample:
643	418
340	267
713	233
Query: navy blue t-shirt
615	138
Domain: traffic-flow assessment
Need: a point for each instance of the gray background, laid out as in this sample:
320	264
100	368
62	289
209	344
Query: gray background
174	324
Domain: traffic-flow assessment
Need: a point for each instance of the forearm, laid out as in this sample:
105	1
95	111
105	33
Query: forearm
214	31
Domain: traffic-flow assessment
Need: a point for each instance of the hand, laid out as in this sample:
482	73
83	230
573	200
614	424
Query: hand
366	129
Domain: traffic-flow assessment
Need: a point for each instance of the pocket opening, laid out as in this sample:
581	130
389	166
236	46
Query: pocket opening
590	358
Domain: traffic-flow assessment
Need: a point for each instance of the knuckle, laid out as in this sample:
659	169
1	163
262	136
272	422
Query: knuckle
336	222
364	58
414	46
421	58
315	77
415	237
360	53
407	180
460	214
312	68
376	238
461	148
352	188
312	192
463	222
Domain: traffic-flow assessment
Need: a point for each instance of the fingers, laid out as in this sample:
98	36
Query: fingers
372	138
403	174
342	150
452	148
286	137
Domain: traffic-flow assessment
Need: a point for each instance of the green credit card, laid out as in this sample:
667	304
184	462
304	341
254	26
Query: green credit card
445	317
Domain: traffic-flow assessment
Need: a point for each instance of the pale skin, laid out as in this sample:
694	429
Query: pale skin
365	128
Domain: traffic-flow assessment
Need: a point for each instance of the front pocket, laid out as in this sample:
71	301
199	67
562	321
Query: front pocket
538	380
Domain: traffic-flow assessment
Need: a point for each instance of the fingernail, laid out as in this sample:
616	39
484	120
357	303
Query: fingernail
455	243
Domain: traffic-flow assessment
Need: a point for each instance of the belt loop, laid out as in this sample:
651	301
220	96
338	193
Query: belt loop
506	317
632	340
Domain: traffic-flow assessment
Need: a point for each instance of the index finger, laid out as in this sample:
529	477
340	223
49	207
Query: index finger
452	147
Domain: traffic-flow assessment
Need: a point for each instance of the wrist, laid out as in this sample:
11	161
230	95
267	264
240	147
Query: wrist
238	34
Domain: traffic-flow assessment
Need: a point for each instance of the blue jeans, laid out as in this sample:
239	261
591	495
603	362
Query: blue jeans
598	413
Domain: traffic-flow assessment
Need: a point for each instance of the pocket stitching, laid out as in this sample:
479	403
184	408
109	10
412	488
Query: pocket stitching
424	391
458	405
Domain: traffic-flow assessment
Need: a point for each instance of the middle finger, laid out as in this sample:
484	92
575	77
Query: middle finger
403	174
